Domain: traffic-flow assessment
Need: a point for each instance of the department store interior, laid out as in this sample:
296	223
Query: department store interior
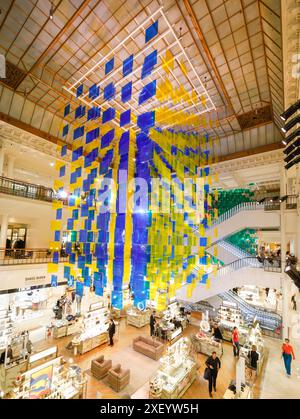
149	199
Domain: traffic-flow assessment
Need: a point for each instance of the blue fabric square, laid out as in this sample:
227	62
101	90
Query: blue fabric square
146	120
128	65
108	115
126	92
78	132
67	110
125	118
79	90
80	111
109	91
64	150
94	91
147	92
107	138
151	31
62	171
109	66
93	113
65	130
149	63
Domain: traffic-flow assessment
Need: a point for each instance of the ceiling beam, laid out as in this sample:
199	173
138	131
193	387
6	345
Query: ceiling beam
205	46
251	152
56	39
7	13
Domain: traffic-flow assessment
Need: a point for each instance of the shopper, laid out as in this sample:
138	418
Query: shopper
288	354
235	342
253	358
213	363
152	323
29	346
216	332
9	353
294	302
111	332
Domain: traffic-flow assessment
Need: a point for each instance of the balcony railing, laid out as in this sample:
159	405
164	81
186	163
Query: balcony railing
28	256
26	190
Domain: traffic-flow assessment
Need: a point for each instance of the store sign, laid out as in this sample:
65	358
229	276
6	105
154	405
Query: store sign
34	279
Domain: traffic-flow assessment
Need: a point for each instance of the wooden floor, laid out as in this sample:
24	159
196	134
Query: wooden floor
97	389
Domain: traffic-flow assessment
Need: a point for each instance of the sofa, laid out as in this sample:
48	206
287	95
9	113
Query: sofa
148	346
118	378
100	367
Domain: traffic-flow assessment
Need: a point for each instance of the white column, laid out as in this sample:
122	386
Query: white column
1	158
284	278
10	166
3	231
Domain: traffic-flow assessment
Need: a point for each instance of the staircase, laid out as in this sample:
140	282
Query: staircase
227	252
267	319
246	215
230	276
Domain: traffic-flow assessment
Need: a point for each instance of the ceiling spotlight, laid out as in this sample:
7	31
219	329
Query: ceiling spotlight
293	135
284	142
52	164
51	11
291	124
290	111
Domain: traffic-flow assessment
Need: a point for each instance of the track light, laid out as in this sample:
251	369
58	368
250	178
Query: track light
51	11
290	111
291	124
293	135
292	146
284	142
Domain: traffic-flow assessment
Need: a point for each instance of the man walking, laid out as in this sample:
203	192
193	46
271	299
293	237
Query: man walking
214	364
152	323
111	332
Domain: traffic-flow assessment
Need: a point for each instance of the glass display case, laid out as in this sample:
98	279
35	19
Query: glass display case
177	371
138	318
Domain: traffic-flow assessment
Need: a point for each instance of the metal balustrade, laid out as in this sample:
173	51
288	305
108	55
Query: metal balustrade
26	190
28	256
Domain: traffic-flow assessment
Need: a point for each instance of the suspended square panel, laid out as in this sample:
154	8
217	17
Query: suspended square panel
126	92
92	135
108	115
78	132
67	110
109	91
146	120
109	66
151	31
125	118
149	64
128	65
79	90
93	113
94	91
147	92
107	138
65	130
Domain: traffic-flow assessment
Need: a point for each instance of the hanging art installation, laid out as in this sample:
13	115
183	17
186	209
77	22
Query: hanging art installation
139	183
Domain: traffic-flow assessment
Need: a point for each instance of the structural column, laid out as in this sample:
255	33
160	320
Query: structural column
284	277
10	166
3	231
2	154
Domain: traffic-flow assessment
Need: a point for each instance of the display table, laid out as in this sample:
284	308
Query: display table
245	394
138	318
9	373
176	385
89	344
206	345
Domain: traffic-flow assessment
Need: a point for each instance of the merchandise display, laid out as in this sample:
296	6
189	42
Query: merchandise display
232	394
206	344
230	316
6	327
177	372
51	380
138	318
171	323
94	332
254	337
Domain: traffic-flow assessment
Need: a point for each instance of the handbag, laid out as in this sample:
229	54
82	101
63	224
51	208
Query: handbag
206	375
